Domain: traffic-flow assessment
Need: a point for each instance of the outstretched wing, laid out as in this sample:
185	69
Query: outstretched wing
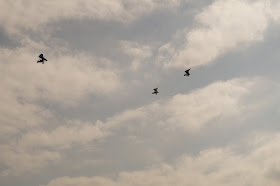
187	71
155	89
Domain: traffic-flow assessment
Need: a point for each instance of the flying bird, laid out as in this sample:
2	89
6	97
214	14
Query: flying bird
187	72
42	59
155	91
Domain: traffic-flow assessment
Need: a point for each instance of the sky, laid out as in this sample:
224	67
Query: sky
88	116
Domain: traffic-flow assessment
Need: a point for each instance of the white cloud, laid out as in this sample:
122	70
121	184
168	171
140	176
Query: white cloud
16	116
64	78
30	14
39	148
216	104
273	7
17	161
64	136
222	27
26	86
137	52
193	111
214	167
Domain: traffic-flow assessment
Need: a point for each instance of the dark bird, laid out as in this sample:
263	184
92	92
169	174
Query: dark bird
187	72
42	59
155	91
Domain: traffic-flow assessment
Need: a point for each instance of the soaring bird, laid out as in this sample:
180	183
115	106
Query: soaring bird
187	72
155	91
42	59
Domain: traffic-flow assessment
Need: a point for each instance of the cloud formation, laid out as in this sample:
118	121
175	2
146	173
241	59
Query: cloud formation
138	53
29	14
218	102
38	148
220	28
26	89
97	113
65	78
213	167
193	111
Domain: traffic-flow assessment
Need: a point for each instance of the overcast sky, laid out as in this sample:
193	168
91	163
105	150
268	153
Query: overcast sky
88	116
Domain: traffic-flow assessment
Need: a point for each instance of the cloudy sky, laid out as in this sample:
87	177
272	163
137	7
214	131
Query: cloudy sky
88	116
